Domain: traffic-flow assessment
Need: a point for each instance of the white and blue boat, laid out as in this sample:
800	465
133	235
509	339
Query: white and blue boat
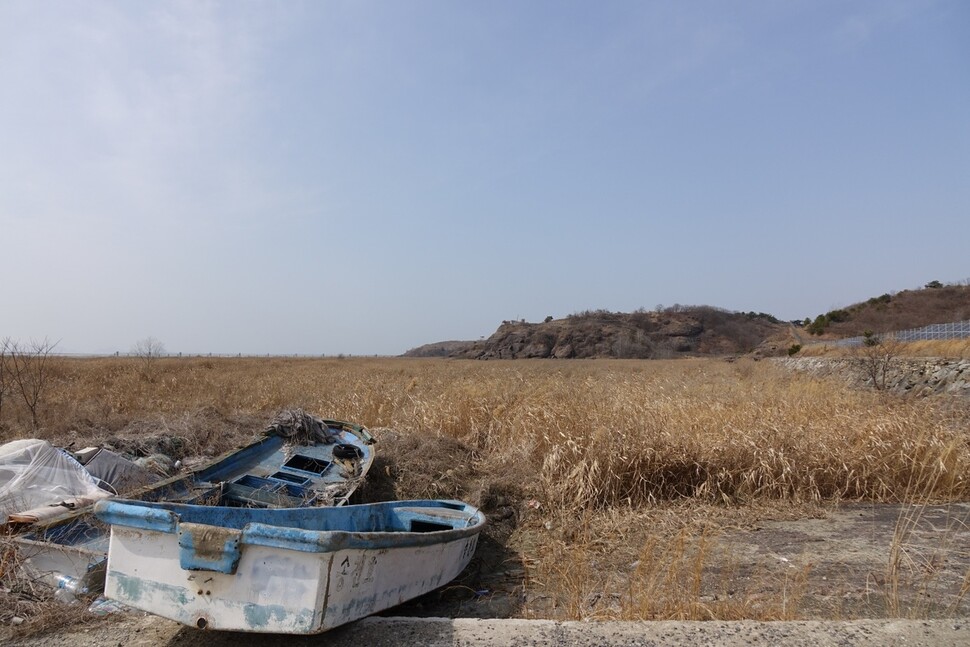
290	571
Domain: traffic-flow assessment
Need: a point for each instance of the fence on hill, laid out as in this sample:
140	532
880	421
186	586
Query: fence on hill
953	330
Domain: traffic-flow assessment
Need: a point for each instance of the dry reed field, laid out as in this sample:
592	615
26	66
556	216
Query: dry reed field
609	485
949	348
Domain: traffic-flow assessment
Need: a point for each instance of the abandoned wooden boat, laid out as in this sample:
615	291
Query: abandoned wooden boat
282	571
301	461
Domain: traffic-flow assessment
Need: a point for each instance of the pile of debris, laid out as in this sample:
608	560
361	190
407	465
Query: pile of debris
39	481
47	493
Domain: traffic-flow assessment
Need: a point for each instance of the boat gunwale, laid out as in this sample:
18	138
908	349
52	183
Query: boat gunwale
165	518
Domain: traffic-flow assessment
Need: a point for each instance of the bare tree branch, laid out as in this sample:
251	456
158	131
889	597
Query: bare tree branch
5	372
30	371
876	357
148	350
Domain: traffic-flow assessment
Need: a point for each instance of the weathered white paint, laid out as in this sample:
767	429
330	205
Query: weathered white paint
275	590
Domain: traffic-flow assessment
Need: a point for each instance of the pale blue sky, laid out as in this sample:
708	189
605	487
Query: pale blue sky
365	177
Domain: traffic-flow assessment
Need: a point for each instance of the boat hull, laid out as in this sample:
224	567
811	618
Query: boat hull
259	577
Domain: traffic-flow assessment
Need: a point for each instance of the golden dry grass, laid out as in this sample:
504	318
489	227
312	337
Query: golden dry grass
592	434
599	443
949	348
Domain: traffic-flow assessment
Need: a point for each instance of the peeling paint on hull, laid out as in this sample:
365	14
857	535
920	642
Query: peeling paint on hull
304	575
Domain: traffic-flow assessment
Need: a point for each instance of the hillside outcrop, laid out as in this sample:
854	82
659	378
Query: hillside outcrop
700	330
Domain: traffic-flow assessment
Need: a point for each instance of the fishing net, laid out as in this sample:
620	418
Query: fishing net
301	428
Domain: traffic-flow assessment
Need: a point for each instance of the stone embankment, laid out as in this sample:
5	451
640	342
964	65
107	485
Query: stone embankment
916	376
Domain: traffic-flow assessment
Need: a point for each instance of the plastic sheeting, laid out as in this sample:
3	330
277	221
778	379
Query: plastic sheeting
39	481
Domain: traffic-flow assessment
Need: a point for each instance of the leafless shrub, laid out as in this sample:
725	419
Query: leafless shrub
633	345
5	377
876	358
29	368
148	351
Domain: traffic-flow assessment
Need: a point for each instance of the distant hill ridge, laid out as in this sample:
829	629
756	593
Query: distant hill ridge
703	330
599	334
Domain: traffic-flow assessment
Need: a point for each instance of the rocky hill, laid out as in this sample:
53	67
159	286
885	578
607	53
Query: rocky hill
439	349
682	330
703	330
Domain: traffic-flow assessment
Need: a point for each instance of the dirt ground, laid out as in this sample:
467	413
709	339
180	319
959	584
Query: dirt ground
856	560
863	561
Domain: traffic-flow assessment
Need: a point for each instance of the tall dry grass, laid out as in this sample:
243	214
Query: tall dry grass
591	434
949	348
582	441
